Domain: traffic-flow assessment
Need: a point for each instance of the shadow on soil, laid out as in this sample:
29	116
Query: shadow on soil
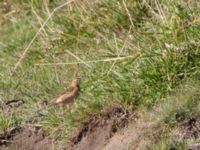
95	132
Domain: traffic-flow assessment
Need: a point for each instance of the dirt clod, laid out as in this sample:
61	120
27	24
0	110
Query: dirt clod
14	103
8	136
190	129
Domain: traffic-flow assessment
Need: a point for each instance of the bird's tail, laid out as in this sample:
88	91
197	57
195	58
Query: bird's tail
52	102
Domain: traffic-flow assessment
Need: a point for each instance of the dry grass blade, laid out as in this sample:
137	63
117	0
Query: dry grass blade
128	13
83	62
121	51
86	62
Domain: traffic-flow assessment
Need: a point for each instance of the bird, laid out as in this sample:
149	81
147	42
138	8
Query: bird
69	95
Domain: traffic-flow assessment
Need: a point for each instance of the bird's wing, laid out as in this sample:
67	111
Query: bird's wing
71	89
64	95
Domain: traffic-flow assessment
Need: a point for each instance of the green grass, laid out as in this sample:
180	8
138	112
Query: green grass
161	36
167	117
170	144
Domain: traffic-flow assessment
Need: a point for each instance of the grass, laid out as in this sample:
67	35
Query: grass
162	38
170	144
167	117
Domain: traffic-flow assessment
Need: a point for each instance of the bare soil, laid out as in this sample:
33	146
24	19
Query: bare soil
115	129
95	133
26	138
140	134
189	131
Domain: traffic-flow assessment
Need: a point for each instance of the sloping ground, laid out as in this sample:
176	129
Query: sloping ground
22	137
141	135
26	138
97	131
143	131
189	131
137	135
131	137
115	129
93	134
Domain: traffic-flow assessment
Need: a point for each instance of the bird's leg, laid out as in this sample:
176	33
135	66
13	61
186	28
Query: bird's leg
63	108
70	108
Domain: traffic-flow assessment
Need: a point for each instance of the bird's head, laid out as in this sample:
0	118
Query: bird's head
76	81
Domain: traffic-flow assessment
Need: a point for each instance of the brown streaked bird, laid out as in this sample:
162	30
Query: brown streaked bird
70	94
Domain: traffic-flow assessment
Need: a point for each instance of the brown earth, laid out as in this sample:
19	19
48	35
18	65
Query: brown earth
92	135
139	134
96	132
115	129
26	138
189	131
